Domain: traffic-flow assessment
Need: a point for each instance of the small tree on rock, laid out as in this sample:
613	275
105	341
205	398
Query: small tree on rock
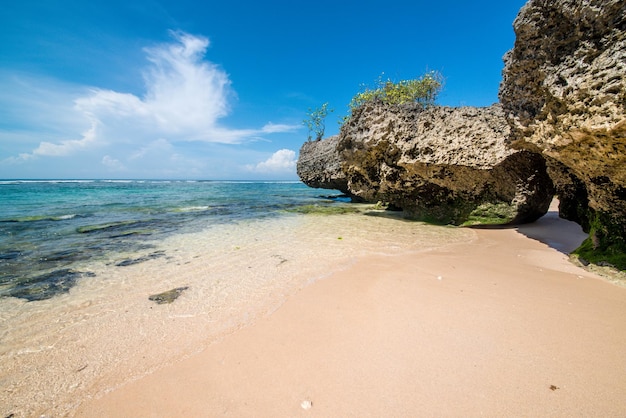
315	121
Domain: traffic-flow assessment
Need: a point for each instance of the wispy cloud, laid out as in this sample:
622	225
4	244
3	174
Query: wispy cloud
66	147
112	163
184	98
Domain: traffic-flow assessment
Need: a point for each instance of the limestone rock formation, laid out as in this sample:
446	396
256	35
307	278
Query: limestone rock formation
319	165
564	92
450	165
563	97
443	164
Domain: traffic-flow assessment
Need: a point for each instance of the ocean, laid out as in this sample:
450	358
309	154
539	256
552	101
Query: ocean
49	228
82	261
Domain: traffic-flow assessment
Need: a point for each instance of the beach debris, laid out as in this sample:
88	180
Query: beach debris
553	388
169	296
306	404
439	277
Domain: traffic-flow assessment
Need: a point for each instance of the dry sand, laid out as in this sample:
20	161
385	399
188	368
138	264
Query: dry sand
504	326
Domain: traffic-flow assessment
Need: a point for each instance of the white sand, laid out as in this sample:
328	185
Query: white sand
54	354
502	325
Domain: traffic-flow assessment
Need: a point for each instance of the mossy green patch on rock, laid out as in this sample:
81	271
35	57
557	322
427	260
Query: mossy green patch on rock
325	209
492	214
606	244
443	214
464	213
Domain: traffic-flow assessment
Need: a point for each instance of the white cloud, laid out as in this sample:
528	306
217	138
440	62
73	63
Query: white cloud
65	147
271	128
282	161
182	90
185	96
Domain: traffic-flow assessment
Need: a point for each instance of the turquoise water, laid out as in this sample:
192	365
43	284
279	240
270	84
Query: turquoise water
48	229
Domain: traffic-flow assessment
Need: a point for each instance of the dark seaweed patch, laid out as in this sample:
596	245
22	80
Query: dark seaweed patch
46	285
7	279
10	255
66	256
112	226
131	261
141	232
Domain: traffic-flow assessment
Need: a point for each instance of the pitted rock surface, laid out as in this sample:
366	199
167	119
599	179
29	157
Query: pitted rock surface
564	92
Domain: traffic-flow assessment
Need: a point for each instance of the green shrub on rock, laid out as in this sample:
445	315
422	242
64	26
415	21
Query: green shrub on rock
422	90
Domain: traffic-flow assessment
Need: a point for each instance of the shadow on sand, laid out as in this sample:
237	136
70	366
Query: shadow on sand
560	234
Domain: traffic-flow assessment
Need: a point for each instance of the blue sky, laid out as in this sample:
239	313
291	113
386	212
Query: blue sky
218	89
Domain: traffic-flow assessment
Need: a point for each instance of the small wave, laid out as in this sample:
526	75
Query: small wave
69	181
64	217
44	181
193	209
37	218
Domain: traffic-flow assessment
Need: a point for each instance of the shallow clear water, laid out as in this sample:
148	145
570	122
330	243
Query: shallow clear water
47	227
87	256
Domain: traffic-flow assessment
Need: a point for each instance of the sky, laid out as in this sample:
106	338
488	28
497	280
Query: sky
218	90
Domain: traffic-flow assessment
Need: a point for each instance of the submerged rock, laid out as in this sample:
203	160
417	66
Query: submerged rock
564	92
132	261
46	286
169	296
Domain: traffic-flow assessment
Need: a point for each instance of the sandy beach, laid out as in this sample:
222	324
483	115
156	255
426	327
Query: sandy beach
502	326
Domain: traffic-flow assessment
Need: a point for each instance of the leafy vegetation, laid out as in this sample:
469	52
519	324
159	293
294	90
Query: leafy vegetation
422	90
315	121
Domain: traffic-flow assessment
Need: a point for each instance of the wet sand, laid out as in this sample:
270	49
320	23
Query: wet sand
501	326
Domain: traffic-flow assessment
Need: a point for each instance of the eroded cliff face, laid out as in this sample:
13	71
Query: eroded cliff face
564	93
450	165
319	165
